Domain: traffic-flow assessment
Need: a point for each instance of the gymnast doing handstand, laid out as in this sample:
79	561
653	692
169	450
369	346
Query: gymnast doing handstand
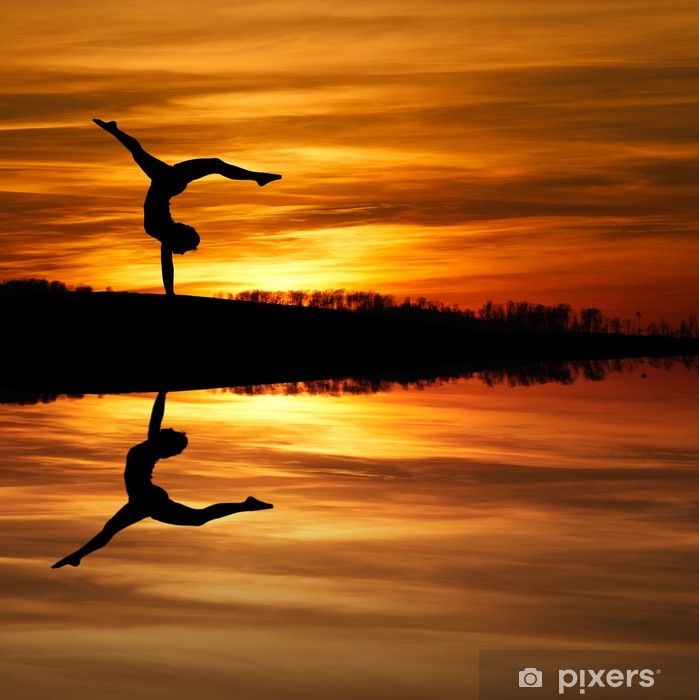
167	181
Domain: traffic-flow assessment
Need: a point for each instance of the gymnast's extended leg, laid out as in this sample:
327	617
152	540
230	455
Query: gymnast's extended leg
174	513
128	515
151	166
201	167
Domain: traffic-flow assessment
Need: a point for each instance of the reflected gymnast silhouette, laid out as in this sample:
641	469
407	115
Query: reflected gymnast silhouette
146	500
167	181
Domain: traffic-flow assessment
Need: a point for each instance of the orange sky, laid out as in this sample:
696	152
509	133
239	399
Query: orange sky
459	150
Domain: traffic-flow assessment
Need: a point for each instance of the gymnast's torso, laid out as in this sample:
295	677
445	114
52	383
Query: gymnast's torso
138	475
156	207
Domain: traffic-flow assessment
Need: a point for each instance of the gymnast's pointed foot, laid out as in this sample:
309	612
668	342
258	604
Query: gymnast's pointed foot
71	560
265	178
251	503
107	126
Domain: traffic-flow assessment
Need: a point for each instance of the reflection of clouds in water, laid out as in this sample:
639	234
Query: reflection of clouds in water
407	524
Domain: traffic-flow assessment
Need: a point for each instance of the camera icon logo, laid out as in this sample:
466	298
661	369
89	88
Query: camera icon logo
530	678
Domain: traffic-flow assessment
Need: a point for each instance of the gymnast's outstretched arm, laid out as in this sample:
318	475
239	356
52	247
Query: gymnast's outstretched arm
156	415
168	269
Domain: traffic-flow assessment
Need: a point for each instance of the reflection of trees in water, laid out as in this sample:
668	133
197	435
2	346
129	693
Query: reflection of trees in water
28	398
529	374
514	375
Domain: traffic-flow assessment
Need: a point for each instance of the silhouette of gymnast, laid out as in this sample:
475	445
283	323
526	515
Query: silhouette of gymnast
148	500
167	181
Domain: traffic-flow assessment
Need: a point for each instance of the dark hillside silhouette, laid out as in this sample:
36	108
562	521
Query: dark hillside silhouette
511	316
112	342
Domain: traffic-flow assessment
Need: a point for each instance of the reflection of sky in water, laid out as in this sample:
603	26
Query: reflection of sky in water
410	529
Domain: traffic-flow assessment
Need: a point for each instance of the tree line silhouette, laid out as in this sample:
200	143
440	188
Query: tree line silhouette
520	314
35	285
524	314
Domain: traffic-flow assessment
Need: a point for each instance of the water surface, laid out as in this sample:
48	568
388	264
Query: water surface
411	529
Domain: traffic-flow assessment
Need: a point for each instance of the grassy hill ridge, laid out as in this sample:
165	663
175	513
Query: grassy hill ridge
79	340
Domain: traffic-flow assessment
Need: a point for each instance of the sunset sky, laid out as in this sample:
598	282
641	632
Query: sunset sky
463	151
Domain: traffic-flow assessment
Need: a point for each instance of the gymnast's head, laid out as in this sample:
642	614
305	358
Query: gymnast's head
182	238
170	442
